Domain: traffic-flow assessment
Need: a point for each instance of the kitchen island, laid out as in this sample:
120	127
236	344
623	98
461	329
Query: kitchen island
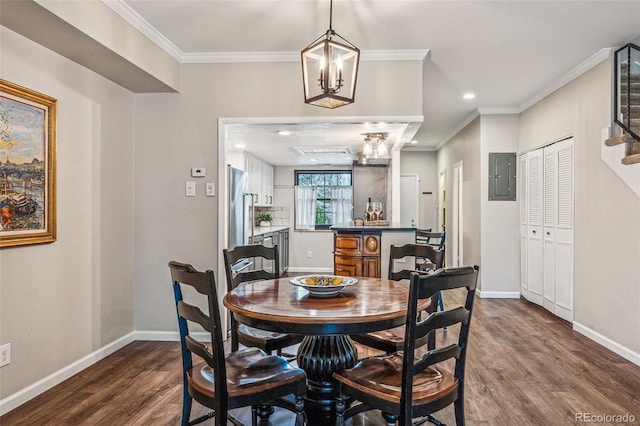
363	250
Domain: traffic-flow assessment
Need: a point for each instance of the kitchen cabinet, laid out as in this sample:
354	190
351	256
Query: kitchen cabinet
259	180
284	253
356	254
267	184
269	239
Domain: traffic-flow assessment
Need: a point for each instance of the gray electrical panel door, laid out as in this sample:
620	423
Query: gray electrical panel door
502	176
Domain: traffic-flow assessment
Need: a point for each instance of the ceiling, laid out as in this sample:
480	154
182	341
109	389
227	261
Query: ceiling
508	53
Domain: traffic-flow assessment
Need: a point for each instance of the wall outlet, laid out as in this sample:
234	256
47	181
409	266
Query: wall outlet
5	354
309	253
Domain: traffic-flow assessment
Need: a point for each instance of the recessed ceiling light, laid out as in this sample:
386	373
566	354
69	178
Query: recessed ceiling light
284	133
413	142
313	159
240	145
468	95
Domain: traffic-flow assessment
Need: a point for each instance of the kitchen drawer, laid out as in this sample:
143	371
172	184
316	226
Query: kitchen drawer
347	266
348	245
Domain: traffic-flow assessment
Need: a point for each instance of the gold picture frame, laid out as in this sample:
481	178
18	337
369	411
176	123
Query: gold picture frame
27	166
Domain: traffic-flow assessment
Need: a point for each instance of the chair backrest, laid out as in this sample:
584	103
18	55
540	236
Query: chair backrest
425	286
421	236
231	256
185	275
420	251
425	236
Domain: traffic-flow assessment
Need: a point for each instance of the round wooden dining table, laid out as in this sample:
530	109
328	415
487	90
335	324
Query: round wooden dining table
276	305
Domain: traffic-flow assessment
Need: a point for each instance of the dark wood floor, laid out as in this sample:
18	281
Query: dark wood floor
524	367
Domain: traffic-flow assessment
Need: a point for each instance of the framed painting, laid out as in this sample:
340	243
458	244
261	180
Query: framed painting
27	166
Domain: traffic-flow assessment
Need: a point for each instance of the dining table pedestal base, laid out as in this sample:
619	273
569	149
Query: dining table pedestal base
320	357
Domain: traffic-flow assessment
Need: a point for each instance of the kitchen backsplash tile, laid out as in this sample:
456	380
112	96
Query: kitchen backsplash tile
281	214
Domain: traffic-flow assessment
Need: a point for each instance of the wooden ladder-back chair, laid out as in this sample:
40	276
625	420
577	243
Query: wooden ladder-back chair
392	340
434	239
409	386
248	377
240	333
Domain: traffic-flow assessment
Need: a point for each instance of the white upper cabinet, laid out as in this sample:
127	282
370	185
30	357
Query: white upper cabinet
267	184
260	180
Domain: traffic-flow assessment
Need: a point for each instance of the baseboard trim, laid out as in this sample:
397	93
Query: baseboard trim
623	351
13	401
168	336
499	294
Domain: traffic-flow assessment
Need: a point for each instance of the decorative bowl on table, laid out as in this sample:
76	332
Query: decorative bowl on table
323	285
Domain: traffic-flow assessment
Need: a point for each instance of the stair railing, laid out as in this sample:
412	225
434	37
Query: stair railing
626	106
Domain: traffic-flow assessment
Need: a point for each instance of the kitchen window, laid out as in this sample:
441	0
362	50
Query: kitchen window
322	198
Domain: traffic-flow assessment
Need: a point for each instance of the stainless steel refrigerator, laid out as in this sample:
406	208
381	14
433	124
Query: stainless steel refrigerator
240	221
238	208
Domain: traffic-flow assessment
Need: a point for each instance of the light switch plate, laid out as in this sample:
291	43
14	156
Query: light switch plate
211	189
190	189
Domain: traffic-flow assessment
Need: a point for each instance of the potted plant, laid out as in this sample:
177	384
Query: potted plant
264	219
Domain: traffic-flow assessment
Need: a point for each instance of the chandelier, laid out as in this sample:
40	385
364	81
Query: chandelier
375	145
330	69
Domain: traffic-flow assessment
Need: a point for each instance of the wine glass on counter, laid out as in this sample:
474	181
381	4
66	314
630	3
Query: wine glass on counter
377	208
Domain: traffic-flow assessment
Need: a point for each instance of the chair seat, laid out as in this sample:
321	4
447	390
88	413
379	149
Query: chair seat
382	377
266	340
247	369
388	341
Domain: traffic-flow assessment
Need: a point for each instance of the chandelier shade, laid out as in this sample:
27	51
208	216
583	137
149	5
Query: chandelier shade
377	149
330	70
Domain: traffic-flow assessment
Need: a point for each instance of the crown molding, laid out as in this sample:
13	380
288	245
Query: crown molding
395	55
505	110
139	23
230	57
365	55
458	128
585	66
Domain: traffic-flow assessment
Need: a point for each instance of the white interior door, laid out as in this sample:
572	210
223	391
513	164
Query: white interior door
457	246
409	197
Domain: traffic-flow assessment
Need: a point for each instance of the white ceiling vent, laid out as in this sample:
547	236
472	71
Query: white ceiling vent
324	150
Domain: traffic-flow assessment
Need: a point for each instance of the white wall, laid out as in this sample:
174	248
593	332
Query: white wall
178	131
425	165
60	302
607	229
500	236
465	147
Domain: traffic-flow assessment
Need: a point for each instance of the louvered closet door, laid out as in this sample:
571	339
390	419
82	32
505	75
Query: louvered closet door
534	226
522	197
550	203
558	229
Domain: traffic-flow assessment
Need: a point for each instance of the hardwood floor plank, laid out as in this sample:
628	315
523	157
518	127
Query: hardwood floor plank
524	367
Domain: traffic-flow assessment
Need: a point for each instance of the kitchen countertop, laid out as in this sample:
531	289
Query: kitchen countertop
393	227
261	230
